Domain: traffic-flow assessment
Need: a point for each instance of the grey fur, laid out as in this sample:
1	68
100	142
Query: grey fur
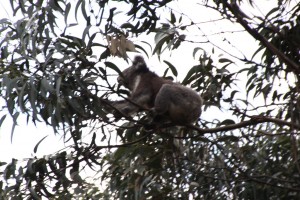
165	98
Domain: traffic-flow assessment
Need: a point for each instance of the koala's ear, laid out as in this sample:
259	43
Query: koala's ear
139	63
138	59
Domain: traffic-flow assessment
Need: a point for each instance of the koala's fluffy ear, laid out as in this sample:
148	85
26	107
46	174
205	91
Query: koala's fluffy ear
138	59
139	63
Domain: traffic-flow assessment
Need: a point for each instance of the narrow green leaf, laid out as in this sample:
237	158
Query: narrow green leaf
37	145
10	85
227	122
67	11
141	48
10	169
272	11
173	18
127	25
55	5
266	90
113	67
158	46
173	69
32	98
196	50
223	60
57	89
180	19
51	21
160	35
91	42
22	6
83	10
12	132
275	96
104	54
33	193
189	74
85	32
2	120
15	117
257	51
76	8
30	168
4	51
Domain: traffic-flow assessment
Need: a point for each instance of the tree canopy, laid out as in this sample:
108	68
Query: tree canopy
58	66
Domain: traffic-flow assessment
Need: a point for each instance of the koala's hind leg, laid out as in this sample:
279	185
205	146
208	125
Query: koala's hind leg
163	99
163	103
180	104
132	105
125	107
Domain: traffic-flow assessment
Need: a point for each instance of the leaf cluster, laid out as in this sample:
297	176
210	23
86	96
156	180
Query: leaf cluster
55	74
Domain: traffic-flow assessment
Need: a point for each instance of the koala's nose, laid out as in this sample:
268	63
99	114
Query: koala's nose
119	79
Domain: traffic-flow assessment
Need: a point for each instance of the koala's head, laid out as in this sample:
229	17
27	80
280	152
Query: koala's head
128	75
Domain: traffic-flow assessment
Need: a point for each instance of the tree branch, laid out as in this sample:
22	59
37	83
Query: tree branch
234	9
253	121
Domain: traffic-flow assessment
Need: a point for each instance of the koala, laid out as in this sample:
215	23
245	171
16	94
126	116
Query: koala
165	99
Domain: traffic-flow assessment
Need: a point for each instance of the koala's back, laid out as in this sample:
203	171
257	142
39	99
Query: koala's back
181	104
151	84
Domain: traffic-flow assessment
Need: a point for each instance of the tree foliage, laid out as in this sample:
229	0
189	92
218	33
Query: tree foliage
56	66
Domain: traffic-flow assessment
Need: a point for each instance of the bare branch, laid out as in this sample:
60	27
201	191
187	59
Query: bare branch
253	121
